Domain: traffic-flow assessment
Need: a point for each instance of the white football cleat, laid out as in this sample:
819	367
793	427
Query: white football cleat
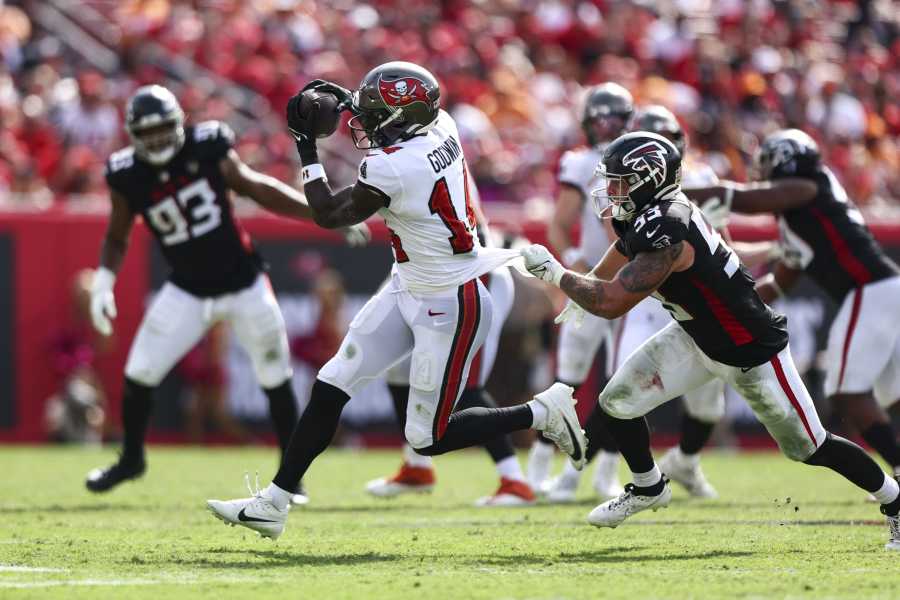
256	513
562	422
687	474
562	489
407	480
894	526
612	512
511	492
540	459
606	475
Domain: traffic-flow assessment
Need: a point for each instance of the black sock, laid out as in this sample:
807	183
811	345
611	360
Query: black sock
475	426
400	397
633	438
598	435
283	412
694	434
851	461
500	447
137	404
883	439
313	433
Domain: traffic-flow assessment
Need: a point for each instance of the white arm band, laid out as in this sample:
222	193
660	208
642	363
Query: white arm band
313	172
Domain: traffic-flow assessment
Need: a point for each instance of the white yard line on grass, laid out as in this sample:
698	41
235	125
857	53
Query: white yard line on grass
23	569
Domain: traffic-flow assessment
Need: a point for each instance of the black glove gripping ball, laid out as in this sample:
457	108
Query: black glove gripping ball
316	114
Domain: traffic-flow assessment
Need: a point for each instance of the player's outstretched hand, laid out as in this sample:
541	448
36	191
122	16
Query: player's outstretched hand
572	312
357	235
717	211
103	302
541	263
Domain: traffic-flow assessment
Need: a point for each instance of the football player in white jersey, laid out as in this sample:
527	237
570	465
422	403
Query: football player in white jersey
605	114
434	309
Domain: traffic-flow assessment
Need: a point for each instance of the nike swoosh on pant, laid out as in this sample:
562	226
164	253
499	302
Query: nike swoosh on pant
572	435
242	516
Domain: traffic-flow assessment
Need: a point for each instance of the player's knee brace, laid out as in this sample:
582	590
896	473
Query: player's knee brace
418	436
343	370
617	402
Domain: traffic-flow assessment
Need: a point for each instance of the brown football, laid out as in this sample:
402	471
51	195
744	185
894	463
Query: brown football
324	117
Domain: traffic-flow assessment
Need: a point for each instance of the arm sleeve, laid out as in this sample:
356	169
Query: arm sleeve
377	172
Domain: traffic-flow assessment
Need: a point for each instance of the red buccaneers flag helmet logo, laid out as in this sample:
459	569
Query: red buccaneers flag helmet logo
650	157
403	92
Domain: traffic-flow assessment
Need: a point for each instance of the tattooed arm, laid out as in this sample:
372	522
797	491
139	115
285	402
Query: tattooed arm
634	282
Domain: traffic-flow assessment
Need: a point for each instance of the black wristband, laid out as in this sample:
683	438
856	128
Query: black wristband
309	154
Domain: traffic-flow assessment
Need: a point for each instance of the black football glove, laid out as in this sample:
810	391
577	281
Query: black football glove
300	127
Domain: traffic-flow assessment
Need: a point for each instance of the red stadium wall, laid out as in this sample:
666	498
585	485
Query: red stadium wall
39	257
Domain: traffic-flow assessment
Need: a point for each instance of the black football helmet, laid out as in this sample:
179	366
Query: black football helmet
787	153
659	119
394	102
155	123
607	108
640	169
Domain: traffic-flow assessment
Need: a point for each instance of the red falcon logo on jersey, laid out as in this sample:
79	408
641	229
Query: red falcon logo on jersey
650	157
402	92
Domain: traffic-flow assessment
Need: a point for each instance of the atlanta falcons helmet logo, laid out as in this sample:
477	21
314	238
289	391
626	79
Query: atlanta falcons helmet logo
649	157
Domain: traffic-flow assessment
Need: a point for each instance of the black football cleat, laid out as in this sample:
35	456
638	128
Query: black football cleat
103	480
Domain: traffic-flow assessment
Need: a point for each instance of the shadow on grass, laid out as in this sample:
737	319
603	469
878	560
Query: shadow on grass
261	559
601	555
69	508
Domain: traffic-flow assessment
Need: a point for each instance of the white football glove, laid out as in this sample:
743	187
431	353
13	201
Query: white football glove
572	312
717	211
541	264
103	302
357	235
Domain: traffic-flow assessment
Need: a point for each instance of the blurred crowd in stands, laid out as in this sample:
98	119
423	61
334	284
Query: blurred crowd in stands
512	73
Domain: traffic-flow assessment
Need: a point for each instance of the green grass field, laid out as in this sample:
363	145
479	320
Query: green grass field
779	530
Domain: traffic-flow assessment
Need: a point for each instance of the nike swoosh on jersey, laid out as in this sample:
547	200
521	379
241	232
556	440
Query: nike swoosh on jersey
242	516
652	233
435	314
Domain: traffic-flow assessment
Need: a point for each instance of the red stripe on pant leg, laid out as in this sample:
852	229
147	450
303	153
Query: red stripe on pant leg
854	316
782	379
468	317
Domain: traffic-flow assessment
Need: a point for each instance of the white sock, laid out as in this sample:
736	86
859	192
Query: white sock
570	472
414	459
280	498
509	468
540	414
691	460
542	450
649	478
888	491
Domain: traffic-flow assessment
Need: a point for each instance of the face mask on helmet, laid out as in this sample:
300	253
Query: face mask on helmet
158	143
372	128
614	199
602	129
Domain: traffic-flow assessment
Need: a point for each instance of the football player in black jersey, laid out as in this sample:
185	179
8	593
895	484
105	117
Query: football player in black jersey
824	235
722	329
178	178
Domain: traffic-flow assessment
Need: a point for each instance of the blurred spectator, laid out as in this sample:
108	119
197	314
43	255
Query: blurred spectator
319	345
512	73
75	413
